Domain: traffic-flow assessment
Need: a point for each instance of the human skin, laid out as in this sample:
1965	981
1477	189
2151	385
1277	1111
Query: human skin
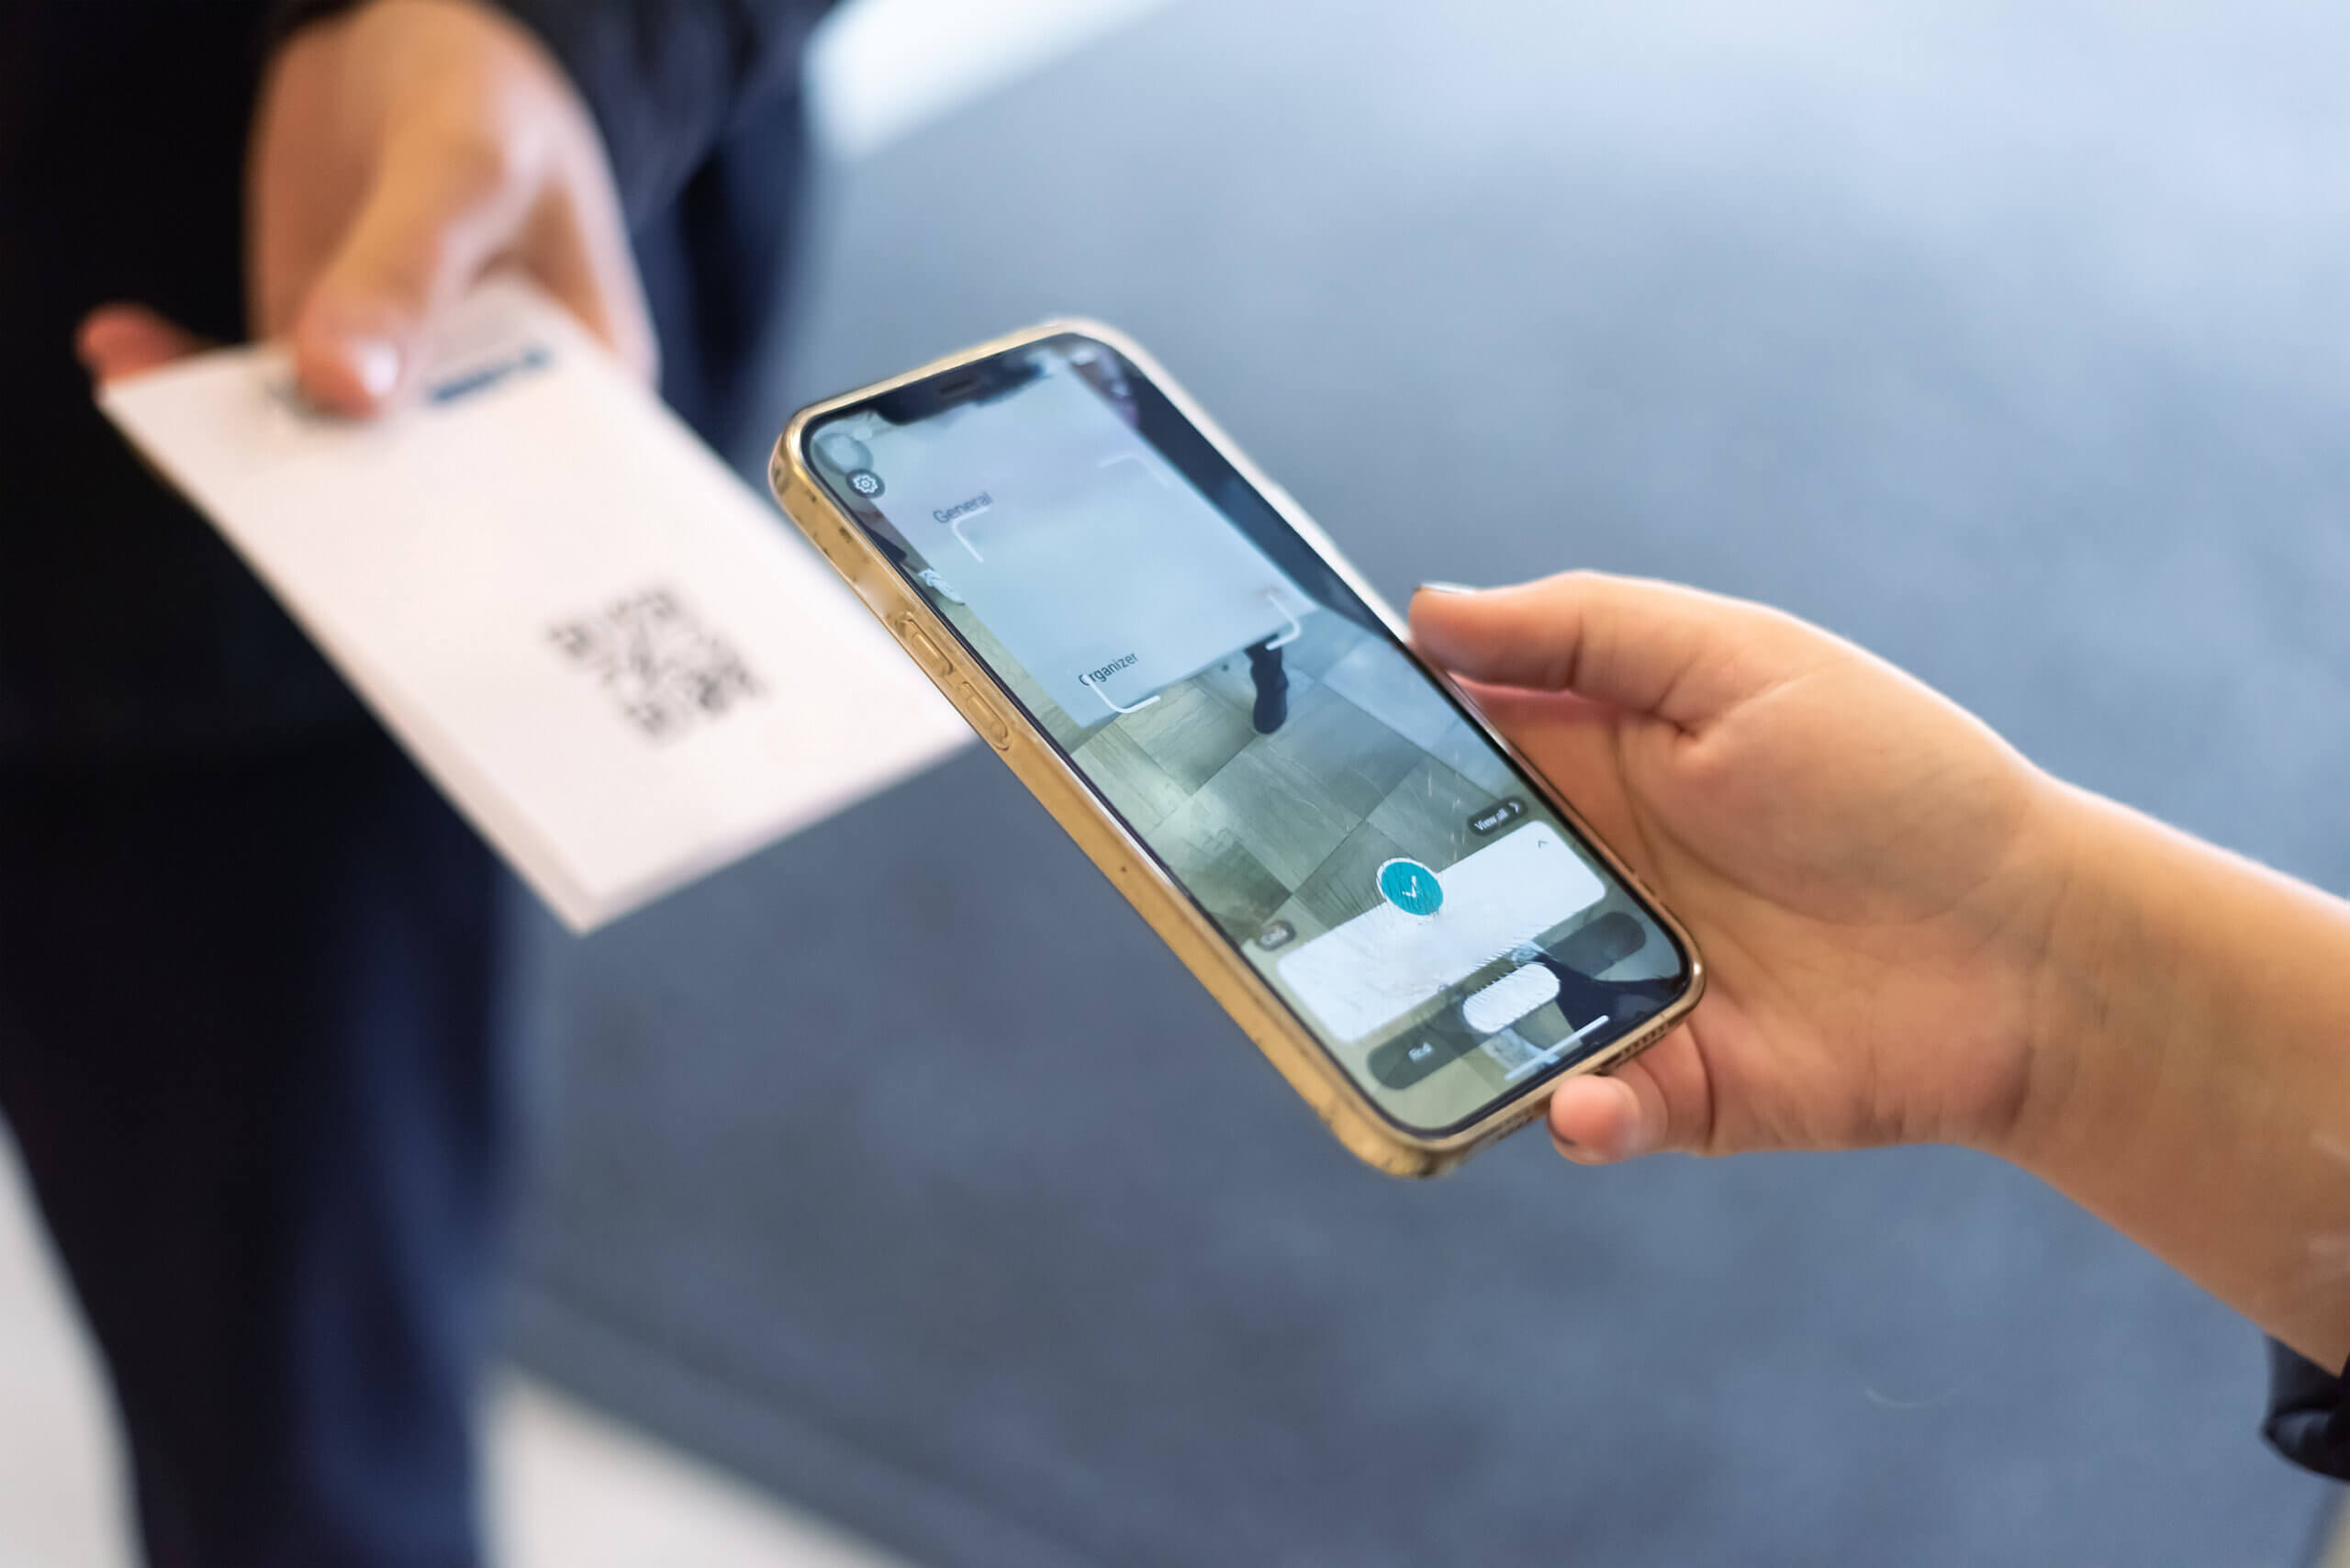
1913	935
400	151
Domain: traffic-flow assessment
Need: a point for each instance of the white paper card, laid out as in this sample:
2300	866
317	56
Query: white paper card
612	656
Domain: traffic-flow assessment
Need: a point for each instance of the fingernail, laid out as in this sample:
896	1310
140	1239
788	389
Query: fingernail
1447	587
1640	1137
375	363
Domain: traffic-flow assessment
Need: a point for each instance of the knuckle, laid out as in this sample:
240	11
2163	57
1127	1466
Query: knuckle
462	162
411	271
479	167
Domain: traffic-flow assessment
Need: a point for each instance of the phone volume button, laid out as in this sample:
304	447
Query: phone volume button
925	652
982	715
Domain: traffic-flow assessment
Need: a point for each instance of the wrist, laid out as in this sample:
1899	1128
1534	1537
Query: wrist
2062	979
2185	1078
2120	1026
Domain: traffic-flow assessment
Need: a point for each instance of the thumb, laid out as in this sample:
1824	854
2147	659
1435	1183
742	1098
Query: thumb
435	216
1646	647
1601	1119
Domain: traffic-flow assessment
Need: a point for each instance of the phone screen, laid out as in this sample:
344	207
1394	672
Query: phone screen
1397	882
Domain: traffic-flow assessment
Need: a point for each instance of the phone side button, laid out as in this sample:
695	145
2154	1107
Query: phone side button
983	716
924	651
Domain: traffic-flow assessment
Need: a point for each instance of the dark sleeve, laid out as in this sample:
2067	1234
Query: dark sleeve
666	79
2309	1414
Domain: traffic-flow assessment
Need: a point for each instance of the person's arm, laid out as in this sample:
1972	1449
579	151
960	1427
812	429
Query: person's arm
2191	1078
664	78
402	148
1915	935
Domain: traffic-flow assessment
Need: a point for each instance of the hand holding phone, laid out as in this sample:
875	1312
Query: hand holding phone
1867	863
1915	935
1415	928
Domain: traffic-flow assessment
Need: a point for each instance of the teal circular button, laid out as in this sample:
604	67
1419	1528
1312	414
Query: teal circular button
1411	887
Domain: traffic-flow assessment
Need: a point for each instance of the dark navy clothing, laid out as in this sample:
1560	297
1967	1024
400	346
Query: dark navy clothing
125	623
247	1018
2309	1414
249	960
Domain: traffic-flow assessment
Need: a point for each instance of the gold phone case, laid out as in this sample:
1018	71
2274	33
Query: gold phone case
1359	1124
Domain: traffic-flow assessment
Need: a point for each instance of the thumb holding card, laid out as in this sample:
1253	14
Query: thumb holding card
399	151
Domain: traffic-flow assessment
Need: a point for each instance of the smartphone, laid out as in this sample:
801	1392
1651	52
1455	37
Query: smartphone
1414	927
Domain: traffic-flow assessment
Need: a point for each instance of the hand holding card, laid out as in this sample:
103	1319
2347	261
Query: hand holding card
605	649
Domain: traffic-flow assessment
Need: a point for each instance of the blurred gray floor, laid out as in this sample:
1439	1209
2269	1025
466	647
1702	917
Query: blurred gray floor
901	1171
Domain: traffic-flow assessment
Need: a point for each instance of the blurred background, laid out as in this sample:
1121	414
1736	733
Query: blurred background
899	1200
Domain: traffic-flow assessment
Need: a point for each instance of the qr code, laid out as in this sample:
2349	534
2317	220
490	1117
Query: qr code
664	669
